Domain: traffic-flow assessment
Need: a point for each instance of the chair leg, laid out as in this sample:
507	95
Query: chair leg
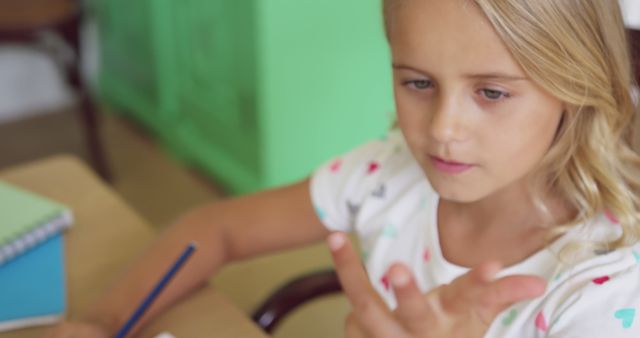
88	114
92	136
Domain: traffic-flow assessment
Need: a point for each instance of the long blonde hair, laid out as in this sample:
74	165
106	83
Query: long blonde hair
577	50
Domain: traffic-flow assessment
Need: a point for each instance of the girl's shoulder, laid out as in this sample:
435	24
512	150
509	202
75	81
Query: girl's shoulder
600	295
598	299
580	254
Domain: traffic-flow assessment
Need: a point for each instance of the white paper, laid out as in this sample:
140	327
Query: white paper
165	335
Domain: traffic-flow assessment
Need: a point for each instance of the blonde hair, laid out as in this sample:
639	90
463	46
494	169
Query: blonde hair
577	50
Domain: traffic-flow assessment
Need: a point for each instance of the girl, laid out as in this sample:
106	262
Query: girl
504	206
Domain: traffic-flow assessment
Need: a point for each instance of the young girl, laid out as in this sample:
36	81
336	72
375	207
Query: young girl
505	205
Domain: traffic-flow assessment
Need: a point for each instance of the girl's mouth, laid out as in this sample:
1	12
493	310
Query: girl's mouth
449	166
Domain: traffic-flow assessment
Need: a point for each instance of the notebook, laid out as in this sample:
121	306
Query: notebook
27	219
32	286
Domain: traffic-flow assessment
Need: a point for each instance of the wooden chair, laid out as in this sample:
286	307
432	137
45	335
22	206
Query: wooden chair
293	294
317	284
26	22
634	39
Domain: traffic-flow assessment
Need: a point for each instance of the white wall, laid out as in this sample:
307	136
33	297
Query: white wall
631	11
30	83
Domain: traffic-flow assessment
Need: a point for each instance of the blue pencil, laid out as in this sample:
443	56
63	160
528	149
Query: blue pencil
156	290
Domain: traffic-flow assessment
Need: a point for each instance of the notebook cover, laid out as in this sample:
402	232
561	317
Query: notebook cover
21	210
27	219
32	286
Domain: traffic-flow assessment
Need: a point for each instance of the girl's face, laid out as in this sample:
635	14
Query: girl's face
473	120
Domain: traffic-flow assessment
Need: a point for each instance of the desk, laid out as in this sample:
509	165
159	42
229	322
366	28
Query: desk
105	236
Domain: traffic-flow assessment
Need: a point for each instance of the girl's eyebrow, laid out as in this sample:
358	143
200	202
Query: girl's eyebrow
413	69
483	76
496	76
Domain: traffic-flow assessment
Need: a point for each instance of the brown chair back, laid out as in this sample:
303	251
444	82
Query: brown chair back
634	39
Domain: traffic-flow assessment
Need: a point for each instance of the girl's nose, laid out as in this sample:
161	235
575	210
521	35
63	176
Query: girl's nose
447	123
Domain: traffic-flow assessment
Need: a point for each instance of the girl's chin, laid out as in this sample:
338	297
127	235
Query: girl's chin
457	194
458	198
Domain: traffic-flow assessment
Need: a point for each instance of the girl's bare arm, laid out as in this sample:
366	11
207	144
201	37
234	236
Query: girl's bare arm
224	231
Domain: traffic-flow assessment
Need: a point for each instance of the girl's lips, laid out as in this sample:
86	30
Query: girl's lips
449	167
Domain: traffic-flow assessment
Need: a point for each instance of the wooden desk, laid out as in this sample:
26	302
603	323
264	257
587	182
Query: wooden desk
105	236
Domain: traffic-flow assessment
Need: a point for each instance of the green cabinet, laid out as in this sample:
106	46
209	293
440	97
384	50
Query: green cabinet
254	92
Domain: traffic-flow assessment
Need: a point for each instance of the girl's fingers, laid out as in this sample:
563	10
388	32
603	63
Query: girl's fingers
457	295
353	329
480	290
476	291
368	308
506	291
412	308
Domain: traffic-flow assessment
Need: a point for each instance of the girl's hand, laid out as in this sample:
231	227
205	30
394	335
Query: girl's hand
463	309
77	330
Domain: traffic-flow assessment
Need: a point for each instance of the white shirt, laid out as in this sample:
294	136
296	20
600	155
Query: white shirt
379	192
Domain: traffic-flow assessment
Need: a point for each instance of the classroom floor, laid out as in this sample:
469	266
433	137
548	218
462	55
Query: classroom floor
148	179
160	189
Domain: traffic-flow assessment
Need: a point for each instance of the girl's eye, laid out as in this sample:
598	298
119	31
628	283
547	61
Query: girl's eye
493	95
419	84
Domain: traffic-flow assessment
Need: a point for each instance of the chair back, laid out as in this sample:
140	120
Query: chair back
634	39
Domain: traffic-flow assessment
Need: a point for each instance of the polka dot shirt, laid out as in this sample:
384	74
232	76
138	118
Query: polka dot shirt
379	192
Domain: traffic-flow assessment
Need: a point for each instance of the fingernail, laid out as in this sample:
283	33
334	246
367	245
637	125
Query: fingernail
335	241
399	278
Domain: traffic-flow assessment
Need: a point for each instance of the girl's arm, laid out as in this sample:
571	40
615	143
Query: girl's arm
225	231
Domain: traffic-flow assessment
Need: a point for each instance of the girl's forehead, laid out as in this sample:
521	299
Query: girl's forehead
441	33
459	14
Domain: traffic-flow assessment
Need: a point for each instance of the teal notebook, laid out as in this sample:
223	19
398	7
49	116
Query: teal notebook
27	219
32	286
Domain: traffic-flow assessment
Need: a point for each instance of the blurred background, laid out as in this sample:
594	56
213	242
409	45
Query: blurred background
175	103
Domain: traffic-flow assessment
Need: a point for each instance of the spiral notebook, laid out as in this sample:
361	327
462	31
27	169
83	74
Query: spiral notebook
26	220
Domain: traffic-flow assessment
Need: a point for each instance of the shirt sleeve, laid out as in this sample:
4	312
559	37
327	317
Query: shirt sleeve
339	187
605	306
